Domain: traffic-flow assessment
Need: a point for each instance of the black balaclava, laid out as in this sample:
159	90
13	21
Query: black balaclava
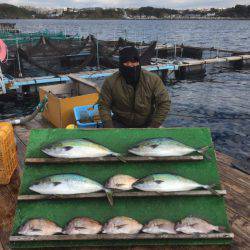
131	74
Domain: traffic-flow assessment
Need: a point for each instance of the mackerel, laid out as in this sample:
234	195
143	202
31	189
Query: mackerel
163	147
169	183
77	148
68	184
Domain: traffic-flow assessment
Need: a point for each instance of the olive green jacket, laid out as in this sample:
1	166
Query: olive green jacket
145	106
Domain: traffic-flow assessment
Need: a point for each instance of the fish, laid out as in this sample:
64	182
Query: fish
122	225
169	183
77	148
120	182
159	226
39	227
82	225
68	184
193	225
162	147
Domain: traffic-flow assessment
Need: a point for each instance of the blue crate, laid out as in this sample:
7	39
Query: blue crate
87	113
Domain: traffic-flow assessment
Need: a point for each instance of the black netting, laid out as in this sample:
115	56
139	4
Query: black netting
71	56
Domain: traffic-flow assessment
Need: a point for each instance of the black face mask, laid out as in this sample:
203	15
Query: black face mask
131	74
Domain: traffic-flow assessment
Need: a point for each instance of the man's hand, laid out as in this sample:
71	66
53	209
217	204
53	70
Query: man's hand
154	125
108	124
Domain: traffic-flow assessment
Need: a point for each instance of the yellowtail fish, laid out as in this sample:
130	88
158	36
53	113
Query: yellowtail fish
160	147
122	225
168	183
159	226
82	225
39	227
193	225
68	184
77	148
121	182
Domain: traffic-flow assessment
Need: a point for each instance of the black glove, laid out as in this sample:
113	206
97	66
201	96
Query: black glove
108	124
154	125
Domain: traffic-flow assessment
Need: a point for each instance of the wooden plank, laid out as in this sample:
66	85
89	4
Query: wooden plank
8	200
121	237
241	228
143	247
237	184
113	159
119	194
239	224
84	81
214	60
215	49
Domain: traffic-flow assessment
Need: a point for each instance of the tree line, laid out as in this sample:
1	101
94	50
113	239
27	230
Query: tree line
11	11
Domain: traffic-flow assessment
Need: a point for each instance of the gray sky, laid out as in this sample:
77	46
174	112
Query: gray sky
175	4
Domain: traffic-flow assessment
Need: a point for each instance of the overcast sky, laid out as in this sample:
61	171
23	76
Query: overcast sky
175	4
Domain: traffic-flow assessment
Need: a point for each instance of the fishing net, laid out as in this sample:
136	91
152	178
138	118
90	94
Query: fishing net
50	56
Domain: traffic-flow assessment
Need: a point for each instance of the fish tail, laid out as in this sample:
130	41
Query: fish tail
203	151
120	157
211	189
109	194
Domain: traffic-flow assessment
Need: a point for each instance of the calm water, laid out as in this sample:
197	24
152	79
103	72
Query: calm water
220	101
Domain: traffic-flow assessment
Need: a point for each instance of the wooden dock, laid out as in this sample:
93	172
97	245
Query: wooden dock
235	182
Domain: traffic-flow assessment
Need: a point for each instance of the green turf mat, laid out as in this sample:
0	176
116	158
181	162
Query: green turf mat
211	208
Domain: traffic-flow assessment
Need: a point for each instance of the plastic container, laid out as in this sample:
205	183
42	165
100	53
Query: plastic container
87	116
8	152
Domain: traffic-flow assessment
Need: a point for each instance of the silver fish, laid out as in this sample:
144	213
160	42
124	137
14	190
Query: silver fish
159	226
168	183
122	225
39	227
67	184
121	182
82	225
192	225
77	148
160	147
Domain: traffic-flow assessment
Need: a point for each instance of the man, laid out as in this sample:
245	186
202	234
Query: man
136	97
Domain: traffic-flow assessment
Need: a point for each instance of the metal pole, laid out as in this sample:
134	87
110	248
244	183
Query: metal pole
97	55
18	60
2	84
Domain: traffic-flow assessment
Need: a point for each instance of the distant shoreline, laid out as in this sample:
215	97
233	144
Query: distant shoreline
137	19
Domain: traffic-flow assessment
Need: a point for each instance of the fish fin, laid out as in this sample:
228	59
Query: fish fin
120	184
55	183
160	226
36	229
196	235
67	148
211	189
154	145
79	228
120	157
221	229
193	224
158	181
109	194
203	151
120	226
